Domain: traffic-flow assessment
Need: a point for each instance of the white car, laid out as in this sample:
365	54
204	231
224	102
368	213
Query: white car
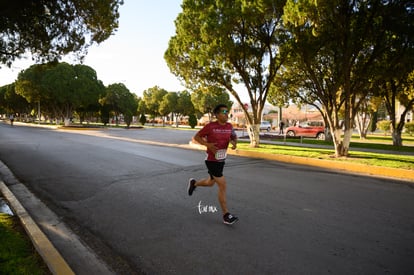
265	125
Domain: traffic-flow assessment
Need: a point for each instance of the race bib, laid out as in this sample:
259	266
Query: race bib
221	154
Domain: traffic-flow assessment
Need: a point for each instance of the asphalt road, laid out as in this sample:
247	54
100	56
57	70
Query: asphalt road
128	200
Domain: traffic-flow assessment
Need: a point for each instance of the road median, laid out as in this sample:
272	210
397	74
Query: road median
371	170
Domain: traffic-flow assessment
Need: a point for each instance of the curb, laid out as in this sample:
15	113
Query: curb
52	258
370	170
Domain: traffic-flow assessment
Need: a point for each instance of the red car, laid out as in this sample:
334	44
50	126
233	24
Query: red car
314	129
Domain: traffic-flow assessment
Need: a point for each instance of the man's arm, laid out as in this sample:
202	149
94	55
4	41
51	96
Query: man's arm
233	139
200	140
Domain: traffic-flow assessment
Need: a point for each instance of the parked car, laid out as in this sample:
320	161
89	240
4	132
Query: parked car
314	129
265	125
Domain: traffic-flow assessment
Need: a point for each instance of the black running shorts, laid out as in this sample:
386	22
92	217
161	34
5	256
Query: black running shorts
215	168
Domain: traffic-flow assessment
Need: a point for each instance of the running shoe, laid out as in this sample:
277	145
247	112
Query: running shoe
229	218
191	186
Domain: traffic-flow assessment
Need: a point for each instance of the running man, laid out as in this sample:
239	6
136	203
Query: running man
216	136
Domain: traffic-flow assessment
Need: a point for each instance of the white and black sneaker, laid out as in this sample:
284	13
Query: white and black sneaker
229	218
191	186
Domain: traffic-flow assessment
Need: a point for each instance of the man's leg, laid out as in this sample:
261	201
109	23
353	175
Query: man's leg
205	182
227	217
221	182
192	184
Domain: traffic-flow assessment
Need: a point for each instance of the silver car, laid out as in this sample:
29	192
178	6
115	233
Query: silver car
265	125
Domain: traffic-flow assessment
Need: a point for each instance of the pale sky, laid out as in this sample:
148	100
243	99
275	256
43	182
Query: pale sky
134	55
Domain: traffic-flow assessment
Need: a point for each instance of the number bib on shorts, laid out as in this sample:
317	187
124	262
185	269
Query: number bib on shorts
221	154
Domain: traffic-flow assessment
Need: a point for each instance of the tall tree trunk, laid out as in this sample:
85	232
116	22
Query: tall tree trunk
254	135
396	133
176	120
363	123
396	138
342	145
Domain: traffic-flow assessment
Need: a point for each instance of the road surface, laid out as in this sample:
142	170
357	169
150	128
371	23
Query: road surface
128	200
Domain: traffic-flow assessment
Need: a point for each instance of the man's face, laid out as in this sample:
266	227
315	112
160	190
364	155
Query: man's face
223	115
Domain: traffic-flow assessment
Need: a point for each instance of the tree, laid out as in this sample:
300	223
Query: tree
337	48
409	126
3	107
152	98
205	99
394	81
185	105
398	93
168	105
129	107
60	87
89	89
49	29
29	86
12	102
192	121
384	125
105	113
227	43
142	109
120	101
367	116
177	104
142	119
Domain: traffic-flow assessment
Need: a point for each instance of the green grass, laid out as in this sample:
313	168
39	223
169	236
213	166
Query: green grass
378	142
370	158
373	141
17	254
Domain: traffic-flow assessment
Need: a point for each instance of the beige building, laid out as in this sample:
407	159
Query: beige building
290	115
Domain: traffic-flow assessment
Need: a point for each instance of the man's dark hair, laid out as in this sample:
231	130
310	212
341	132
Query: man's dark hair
218	107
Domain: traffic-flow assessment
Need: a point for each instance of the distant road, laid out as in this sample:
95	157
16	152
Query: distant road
129	198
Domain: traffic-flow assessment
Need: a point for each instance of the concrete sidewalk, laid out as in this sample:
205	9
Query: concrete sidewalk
47	231
53	259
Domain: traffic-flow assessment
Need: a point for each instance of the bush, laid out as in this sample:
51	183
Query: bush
104	116
142	119
192	120
373	123
384	125
409	128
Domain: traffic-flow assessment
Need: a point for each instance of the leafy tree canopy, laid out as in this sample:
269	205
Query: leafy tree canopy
152	98
11	101
49	29
227	43
338	47
205	100
184	104
176	103
121	101
60	88
169	103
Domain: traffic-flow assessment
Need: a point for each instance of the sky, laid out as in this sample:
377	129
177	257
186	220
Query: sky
134	55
